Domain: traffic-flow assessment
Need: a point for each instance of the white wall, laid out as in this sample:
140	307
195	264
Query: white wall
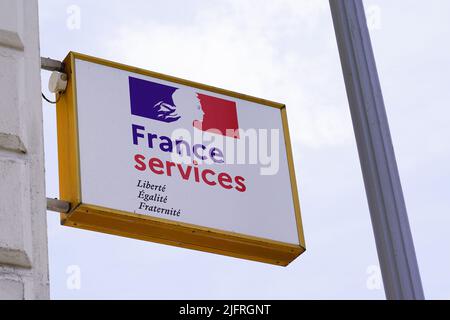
23	237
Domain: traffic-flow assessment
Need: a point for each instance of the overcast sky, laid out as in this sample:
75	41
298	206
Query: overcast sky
281	50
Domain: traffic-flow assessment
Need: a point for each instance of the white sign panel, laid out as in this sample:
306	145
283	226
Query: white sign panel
170	150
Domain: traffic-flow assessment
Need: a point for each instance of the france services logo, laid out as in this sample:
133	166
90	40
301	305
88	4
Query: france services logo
156	101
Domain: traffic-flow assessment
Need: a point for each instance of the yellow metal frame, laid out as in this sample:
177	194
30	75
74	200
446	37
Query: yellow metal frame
131	225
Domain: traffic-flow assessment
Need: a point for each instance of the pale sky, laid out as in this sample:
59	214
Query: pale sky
281	50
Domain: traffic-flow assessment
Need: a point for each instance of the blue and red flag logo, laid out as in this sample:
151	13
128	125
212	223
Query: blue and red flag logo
155	101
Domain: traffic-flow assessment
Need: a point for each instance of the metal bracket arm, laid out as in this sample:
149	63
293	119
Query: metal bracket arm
58	205
52	65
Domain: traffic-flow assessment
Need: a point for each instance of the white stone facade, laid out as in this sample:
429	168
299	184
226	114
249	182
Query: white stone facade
23	229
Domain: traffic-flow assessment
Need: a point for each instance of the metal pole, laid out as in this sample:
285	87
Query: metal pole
393	237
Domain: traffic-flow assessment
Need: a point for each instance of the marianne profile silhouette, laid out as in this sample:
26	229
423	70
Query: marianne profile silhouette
188	108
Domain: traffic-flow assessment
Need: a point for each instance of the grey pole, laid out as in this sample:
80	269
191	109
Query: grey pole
390	224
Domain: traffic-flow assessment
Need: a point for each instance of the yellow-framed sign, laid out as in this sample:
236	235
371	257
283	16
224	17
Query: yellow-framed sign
157	158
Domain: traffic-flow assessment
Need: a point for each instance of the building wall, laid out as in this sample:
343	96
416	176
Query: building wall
23	229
